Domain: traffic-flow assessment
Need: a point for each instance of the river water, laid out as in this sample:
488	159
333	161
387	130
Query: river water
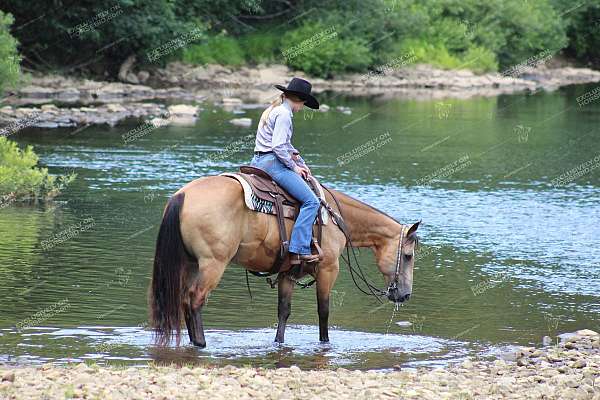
509	253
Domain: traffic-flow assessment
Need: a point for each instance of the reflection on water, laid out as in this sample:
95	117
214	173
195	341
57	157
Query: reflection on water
506	257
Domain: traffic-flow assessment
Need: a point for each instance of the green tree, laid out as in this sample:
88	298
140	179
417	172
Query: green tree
583	30
94	36
10	71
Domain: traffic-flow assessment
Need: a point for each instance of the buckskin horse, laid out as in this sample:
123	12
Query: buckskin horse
206	225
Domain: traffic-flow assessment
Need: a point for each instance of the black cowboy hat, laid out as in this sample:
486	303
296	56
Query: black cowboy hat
301	88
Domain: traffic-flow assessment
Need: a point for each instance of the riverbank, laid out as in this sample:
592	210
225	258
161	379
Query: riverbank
567	370
56	101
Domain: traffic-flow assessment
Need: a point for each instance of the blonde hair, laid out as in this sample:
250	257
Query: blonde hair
277	102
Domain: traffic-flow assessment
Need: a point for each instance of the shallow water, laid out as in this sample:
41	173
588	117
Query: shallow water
491	220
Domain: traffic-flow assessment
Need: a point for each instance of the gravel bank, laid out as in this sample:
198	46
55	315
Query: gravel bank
569	370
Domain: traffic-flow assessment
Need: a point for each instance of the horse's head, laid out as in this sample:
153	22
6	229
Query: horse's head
395	258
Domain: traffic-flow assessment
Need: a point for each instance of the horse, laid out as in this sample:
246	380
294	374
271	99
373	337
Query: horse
206	225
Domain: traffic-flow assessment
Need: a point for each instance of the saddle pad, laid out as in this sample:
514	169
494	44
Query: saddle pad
259	205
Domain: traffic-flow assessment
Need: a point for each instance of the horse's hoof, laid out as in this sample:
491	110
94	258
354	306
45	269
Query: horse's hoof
199	344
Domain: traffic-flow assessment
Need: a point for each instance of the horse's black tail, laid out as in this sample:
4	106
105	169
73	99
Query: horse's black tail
164	296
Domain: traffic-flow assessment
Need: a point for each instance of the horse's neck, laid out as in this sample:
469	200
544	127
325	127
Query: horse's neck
368	226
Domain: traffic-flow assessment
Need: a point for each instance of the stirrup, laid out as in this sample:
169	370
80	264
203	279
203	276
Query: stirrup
298	259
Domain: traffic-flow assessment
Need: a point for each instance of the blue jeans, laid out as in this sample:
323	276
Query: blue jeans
297	187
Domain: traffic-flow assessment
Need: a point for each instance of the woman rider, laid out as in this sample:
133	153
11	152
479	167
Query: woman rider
274	153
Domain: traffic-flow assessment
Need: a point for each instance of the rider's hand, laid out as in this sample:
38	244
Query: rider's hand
303	172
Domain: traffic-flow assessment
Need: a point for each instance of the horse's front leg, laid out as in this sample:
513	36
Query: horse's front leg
325	280
285	287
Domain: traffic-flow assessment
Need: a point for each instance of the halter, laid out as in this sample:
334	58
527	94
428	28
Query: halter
399	261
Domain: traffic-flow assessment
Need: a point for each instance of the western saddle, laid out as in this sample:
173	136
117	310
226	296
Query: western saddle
268	197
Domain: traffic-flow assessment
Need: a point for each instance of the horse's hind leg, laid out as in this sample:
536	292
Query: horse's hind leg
208	275
284	306
193	321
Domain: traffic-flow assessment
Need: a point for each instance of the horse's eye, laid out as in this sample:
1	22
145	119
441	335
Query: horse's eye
408	257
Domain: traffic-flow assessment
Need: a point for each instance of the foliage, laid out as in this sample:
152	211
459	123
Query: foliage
330	54
512	29
9	58
96	36
582	25
219	49
20	177
447	33
261	47
477	59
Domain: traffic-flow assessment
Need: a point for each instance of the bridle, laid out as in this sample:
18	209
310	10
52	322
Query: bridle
399	262
373	290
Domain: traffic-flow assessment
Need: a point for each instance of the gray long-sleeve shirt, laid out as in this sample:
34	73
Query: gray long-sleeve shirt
276	135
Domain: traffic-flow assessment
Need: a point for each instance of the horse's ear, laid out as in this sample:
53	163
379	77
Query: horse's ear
413	228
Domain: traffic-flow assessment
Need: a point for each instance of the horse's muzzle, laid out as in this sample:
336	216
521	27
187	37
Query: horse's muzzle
397	297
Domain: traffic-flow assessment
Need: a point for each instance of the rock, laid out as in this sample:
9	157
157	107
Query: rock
404	324
563	369
537	353
183	114
245	122
550	373
132	78
232	101
115	108
49	108
587	332
579	364
324	107
522	362
344	110
159	122
143	76
183	109
8	376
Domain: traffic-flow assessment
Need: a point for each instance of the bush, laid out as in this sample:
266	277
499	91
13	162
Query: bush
477	59
20	177
218	49
261	47
480	60
327	56
9	57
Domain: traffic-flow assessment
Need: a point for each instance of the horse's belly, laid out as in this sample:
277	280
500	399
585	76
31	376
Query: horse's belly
260	244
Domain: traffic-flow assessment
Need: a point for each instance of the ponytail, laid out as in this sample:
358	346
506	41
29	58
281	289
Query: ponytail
265	115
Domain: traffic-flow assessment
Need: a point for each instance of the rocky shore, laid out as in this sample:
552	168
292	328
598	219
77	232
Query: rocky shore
58	101
567	370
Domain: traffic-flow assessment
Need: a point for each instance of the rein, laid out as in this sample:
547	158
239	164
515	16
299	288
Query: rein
356	271
373	290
